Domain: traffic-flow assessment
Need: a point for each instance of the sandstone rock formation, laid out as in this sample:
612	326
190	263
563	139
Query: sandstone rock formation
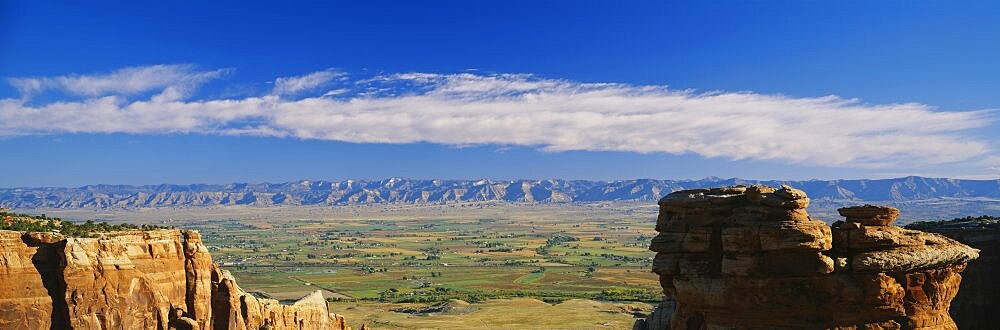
977	307
157	279
752	258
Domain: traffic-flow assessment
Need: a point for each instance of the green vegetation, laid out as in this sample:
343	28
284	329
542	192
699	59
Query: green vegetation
436	253
984	221
440	294
444	294
516	313
41	223
629	294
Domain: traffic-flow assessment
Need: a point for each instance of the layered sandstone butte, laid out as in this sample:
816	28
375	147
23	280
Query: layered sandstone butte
157	279
752	258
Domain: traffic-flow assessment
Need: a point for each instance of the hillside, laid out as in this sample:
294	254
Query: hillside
397	190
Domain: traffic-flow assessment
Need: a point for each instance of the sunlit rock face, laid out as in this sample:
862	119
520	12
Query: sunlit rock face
752	258
29	268
157	279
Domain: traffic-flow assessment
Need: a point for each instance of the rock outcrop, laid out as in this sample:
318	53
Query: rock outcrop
977	307
752	258
156	279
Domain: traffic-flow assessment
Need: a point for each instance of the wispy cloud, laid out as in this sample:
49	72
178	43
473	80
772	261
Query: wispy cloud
132	80
523	110
304	83
993	164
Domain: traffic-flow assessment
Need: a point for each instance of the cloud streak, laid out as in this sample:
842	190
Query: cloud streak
129	80
298	84
522	110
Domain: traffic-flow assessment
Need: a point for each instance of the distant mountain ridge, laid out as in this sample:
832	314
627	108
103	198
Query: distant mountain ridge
410	191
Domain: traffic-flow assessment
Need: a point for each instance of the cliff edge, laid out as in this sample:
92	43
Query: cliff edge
134	279
975	307
752	258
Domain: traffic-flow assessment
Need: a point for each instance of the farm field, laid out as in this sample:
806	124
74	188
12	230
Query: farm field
588	263
517	313
428	254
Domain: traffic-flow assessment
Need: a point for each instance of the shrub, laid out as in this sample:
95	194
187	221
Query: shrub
41	223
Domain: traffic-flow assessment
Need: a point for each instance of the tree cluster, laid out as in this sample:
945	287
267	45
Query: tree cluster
41	223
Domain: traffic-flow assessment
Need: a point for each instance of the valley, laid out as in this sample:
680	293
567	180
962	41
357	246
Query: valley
389	265
589	263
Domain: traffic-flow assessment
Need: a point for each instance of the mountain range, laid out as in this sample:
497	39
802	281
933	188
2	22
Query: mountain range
411	191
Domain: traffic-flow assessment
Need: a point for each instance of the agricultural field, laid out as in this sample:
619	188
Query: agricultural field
516	313
383	263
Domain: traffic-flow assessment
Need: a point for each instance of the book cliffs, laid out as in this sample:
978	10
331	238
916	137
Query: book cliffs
753	258
156	279
409	191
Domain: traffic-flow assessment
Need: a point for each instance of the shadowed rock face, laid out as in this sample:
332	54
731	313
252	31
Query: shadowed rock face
158	279
976	306
752	258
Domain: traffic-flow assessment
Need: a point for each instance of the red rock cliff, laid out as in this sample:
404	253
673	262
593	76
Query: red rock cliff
752	258
158	279
976	307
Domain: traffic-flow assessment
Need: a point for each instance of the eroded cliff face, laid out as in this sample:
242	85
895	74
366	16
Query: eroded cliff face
752	258
158	279
976	306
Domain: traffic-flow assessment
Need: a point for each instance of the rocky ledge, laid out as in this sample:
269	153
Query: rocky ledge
752	258
975	307
155	279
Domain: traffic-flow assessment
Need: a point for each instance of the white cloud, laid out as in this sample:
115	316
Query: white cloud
304	83
553	115
993	164
335	92
123	81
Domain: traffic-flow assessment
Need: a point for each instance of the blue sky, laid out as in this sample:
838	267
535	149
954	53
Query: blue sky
154	92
